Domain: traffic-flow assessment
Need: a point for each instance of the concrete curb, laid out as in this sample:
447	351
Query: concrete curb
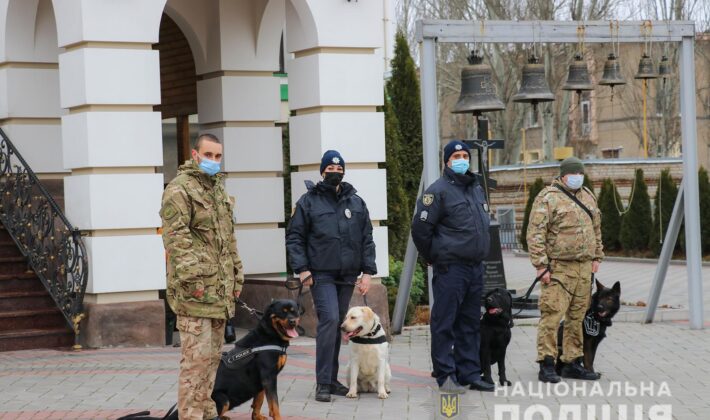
523	254
634	315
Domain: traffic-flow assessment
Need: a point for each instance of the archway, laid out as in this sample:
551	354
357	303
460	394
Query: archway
178	95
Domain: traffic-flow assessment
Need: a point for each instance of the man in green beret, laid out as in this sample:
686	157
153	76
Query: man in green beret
565	245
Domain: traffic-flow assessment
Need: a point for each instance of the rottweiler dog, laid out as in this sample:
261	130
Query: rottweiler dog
604	305
496	327
250	370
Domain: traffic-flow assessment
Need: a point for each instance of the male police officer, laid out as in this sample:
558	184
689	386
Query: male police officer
204	271
450	230
565	245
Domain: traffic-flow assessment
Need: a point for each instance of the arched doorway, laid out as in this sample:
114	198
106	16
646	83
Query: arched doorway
178	96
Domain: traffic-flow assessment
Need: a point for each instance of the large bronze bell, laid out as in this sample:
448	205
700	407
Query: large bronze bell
646	70
578	76
478	94
612	73
664	67
533	87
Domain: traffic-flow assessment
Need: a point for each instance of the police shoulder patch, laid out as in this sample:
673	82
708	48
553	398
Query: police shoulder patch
427	199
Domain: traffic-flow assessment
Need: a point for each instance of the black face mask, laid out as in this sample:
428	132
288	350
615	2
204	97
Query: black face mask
333	178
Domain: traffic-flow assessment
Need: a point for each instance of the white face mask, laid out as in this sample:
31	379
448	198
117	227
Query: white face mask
575	181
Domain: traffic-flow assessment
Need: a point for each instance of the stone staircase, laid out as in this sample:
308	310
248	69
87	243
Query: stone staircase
29	318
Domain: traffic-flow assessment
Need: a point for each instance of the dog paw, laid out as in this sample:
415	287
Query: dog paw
505	383
351	395
383	395
487	380
255	416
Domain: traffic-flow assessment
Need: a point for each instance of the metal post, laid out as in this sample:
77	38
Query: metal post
405	278
665	257
690	180
430	124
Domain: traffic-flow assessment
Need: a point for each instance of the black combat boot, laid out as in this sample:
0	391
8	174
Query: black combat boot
323	392
575	370
547	371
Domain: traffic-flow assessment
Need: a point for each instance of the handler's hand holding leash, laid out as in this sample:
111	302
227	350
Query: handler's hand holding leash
543	274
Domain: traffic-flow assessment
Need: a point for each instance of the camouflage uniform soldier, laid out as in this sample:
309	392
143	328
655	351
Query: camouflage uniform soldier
563	237
204	271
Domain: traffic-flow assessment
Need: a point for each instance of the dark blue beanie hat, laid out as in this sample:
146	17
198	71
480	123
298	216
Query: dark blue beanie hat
453	147
331	157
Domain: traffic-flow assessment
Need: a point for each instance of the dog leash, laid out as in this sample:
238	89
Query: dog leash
252	311
297	284
537	279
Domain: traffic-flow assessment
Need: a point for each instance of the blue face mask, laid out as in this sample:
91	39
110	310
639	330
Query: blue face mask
460	166
210	167
575	181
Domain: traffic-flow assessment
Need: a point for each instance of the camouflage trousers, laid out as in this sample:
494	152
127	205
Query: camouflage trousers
201	342
555	303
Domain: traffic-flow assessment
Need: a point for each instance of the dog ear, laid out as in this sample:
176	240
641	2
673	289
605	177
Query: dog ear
616	287
600	286
368	314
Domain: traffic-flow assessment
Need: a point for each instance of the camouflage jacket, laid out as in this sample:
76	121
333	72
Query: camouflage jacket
204	268
560	230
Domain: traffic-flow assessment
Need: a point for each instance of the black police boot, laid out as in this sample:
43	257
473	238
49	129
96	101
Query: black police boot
547	371
575	370
336	388
323	392
481	385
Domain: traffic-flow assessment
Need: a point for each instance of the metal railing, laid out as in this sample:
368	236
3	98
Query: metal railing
53	247
510	236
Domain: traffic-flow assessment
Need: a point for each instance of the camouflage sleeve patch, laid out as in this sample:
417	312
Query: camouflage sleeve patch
169	212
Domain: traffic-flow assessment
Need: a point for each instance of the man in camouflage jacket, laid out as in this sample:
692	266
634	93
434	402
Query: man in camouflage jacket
204	271
565	239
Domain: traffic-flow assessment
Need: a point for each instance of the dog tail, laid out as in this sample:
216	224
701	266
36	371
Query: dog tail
145	415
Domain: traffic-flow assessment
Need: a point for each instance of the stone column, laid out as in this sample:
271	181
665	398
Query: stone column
109	81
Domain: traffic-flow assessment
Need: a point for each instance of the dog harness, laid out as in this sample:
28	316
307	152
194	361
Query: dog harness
591	325
240	356
369	337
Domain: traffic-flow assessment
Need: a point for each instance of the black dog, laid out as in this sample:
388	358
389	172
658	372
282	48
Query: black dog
495	333
249	371
604	305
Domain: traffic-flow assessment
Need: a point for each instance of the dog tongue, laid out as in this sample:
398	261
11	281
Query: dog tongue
493	311
291	332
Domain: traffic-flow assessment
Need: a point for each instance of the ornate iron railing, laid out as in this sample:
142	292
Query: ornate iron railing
53	247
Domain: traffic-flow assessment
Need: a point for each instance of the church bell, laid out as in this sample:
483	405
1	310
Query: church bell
478	93
533	87
664	67
646	70
612	73
578	76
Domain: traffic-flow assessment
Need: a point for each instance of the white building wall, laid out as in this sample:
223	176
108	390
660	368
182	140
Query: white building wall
29	84
335	85
109	79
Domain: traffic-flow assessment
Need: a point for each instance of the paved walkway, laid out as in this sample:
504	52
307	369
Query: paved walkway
635	279
104	384
667	361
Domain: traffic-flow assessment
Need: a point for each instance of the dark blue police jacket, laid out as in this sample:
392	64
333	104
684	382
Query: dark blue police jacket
451	222
331	232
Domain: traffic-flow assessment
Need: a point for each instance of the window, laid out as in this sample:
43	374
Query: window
586	117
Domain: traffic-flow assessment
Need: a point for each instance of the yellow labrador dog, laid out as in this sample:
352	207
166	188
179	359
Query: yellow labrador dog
369	368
